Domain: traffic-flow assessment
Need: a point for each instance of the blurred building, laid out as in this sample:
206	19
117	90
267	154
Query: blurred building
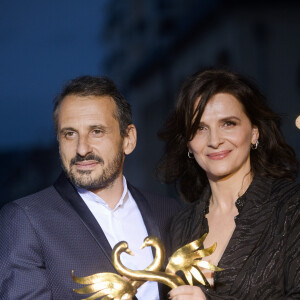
152	46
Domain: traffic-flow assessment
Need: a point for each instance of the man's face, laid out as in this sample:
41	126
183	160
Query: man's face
90	144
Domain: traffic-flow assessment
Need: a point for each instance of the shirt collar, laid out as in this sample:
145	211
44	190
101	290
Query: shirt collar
90	196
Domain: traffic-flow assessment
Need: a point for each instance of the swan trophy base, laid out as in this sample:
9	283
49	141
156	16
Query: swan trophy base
187	259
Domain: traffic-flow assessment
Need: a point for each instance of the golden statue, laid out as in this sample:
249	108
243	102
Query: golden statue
187	259
114	286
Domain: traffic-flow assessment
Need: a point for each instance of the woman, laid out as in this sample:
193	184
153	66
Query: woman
226	154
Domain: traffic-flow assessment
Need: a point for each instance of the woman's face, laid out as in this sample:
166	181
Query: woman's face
222	143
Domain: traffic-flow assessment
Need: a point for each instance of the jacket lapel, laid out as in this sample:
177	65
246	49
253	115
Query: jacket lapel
70	195
146	211
150	223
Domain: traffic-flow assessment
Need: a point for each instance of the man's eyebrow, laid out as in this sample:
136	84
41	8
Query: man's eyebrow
91	127
100	127
67	129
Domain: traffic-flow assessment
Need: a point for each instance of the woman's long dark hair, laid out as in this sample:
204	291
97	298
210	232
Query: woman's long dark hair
273	157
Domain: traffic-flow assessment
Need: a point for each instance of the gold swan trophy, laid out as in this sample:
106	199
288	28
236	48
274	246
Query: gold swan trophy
187	259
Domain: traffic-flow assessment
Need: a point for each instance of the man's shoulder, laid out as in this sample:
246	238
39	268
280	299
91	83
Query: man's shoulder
46	197
39	200
153	197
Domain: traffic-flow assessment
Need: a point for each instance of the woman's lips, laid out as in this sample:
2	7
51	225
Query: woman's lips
218	155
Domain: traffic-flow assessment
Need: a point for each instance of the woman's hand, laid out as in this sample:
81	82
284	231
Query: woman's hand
187	292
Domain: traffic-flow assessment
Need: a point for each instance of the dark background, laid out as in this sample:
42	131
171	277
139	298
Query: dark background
148	48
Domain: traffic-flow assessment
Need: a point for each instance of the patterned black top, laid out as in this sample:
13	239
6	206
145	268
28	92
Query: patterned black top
262	258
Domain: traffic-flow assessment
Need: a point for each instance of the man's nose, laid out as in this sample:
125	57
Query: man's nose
83	146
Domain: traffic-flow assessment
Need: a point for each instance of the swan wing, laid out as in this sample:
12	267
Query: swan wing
111	285
187	257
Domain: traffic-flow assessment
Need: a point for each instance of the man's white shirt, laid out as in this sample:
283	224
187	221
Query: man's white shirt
124	223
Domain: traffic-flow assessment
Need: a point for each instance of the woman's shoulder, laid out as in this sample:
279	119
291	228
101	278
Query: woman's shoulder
285	190
187	224
285	198
274	189
187	210
197	208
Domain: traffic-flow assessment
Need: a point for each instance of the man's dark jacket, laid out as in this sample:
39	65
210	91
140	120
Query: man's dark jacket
44	236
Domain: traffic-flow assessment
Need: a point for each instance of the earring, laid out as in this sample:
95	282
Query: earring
190	155
254	146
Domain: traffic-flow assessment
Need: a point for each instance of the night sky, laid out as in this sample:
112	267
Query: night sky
43	44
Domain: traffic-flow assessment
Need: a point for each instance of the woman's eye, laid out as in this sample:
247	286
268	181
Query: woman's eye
201	127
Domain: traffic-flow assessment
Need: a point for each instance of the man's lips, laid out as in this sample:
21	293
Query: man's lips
87	164
218	155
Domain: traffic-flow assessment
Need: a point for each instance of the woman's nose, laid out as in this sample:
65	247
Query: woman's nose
215	138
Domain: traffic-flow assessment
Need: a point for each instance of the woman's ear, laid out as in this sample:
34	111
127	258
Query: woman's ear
189	148
129	141
255	135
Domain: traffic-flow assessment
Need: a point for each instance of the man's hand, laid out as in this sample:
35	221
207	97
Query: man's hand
187	292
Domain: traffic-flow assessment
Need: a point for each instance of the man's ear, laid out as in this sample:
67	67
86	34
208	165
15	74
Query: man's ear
129	141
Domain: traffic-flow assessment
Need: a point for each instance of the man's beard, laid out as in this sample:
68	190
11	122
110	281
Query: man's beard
84	179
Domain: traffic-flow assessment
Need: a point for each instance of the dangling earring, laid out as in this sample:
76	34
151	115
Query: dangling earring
190	155
254	146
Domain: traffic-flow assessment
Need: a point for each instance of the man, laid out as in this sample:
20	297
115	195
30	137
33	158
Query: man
74	224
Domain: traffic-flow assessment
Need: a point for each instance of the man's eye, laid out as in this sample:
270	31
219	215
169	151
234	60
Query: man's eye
229	123
69	134
97	132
